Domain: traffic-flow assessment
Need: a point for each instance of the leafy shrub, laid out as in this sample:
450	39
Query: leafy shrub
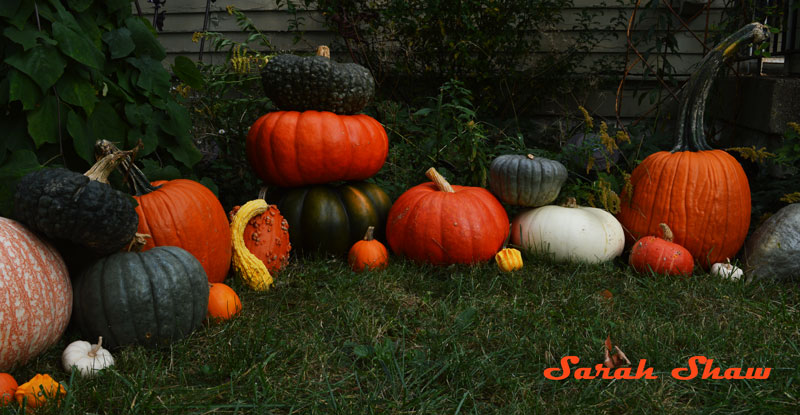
77	71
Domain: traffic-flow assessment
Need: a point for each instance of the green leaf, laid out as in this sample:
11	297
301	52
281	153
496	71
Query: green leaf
114	5
144	38
22	88
138	114
106	123
9	7
180	144
14	168
152	75
77	91
42	63
154	171
27	37
79	5
18	17
119	42
186	70
43	122
77	47
82	138
209	183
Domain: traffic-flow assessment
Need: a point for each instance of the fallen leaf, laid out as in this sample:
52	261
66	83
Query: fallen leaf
607	294
615	360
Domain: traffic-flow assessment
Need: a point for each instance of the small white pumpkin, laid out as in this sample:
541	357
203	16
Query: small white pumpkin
569	233
727	270
87	358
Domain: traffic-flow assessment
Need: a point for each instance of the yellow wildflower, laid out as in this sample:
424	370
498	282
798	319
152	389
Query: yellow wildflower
791	197
586	117
230	9
196	36
750	153
794	126
622	136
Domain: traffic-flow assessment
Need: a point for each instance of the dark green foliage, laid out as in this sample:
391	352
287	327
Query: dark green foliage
78	71
71	208
150	298
330	218
296	83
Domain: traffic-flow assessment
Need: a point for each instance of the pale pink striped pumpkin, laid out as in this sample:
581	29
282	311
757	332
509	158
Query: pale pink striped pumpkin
35	295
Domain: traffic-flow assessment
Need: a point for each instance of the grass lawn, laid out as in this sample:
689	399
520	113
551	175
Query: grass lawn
459	340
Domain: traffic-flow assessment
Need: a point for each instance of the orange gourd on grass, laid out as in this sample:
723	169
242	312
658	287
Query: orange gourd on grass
266	235
8	385
702	193
223	302
661	255
41	390
368	254
442	224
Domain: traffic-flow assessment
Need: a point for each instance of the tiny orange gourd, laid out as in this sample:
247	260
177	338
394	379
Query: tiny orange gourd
508	259
39	391
223	302
368	253
8	385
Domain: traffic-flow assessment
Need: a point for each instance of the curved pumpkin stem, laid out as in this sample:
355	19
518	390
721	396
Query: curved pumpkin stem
324	51
368	236
93	351
103	167
691	109
441	183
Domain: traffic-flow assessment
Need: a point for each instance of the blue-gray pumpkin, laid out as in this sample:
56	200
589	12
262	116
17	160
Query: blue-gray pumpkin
526	180
149	298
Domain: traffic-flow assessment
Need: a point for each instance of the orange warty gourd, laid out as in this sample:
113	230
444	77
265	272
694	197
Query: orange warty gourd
368	254
291	148
267	236
443	224
8	385
661	255
41	390
223	302
702	193
35	294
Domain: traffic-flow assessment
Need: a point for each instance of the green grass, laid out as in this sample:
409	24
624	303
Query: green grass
458	340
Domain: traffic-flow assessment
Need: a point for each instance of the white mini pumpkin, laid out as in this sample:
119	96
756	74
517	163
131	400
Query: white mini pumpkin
87	358
569	233
727	270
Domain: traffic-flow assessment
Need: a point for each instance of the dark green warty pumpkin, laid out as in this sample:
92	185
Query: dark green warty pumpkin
73	208
526	180
149	298
332	218
296	83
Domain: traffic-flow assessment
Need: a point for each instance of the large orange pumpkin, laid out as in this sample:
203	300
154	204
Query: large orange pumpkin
443	224
702	193
35	294
291	148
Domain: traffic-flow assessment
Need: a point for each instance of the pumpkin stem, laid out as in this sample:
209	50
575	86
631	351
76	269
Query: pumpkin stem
691	110
103	168
570	203
368	236
138	242
96	347
262	193
439	180
530	156
666	232
324	51
133	176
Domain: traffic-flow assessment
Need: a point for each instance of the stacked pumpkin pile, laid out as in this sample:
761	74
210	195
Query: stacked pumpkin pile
319	149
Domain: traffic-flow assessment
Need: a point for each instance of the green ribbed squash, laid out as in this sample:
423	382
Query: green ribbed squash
526	180
296	83
149	298
330	218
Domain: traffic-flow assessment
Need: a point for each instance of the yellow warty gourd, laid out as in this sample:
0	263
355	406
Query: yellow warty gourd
245	264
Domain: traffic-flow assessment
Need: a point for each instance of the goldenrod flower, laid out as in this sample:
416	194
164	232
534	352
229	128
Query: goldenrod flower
196	36
586	117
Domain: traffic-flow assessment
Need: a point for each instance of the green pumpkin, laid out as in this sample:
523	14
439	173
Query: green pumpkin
526	180
773	250
330	218
297	83
149	298
72	208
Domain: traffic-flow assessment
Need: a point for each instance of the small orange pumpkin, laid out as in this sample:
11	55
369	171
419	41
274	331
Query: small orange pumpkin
368	253
223	302
661	255
40	391
7	388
